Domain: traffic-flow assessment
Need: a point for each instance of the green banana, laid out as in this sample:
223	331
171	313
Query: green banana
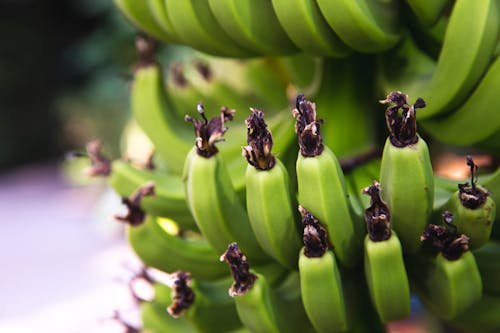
475	120
156	320
473	210
138	12
492	183
253	25
267	195
159	248
448	283
169	199
195	23
153	112
205	305
383	261
306	27
325	306
321	186
364	25
212	199
489	266
406	173
159	12
262	308
428	12
482	317
304	72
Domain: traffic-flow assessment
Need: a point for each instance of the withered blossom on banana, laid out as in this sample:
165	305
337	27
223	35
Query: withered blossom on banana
403	129
240	270
209	132
146	47
100	165
470	195
377	215
135	215
183	295
260	142
444	238
315	235
307	127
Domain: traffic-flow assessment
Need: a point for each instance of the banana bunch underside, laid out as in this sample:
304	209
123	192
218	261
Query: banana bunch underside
332	220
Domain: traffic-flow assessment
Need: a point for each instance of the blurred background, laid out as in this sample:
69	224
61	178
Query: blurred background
65	67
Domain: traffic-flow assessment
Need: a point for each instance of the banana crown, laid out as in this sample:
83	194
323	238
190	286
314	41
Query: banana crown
135	215
315	235
444	238
183	296
240	270
307	127
377	215
470	195
209	132
260	142
403	130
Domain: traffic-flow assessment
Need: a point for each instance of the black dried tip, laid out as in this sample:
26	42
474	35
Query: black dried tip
146	47
444	238
183	296
176	71
240	270
307	127
470	195
260	142
204	69
315	237
377	216
403	129
209	132
100	165
135	215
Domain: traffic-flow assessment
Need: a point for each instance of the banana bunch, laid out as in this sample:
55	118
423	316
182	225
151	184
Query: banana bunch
307	249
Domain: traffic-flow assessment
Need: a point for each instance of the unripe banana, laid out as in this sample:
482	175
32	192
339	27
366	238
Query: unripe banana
448	283
159	12
156	320
428	12
473	210
487	259
383	261
267	195
324	306
205	305
321	186
406	173
482	317
157	247
262	308
212	199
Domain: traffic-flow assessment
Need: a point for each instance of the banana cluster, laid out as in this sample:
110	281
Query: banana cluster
322	230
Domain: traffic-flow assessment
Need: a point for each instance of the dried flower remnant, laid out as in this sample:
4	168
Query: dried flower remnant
470	195
240	270
315	235
100	165
183	296
135	215
260	142
307	127
209	132
377	215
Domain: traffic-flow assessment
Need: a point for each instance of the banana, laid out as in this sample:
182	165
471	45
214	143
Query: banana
473	210
205	305
196	25
489	266
406	173
475	120
138	12
492	183
212	199
321	186
324	306
169	200
304	72
253	25
482	317
153	112
449	282
262	308
306	27
157	247
383	261
159	12
156	320
267	195
428	12
365	25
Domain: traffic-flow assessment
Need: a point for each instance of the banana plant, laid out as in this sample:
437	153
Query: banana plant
327	224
